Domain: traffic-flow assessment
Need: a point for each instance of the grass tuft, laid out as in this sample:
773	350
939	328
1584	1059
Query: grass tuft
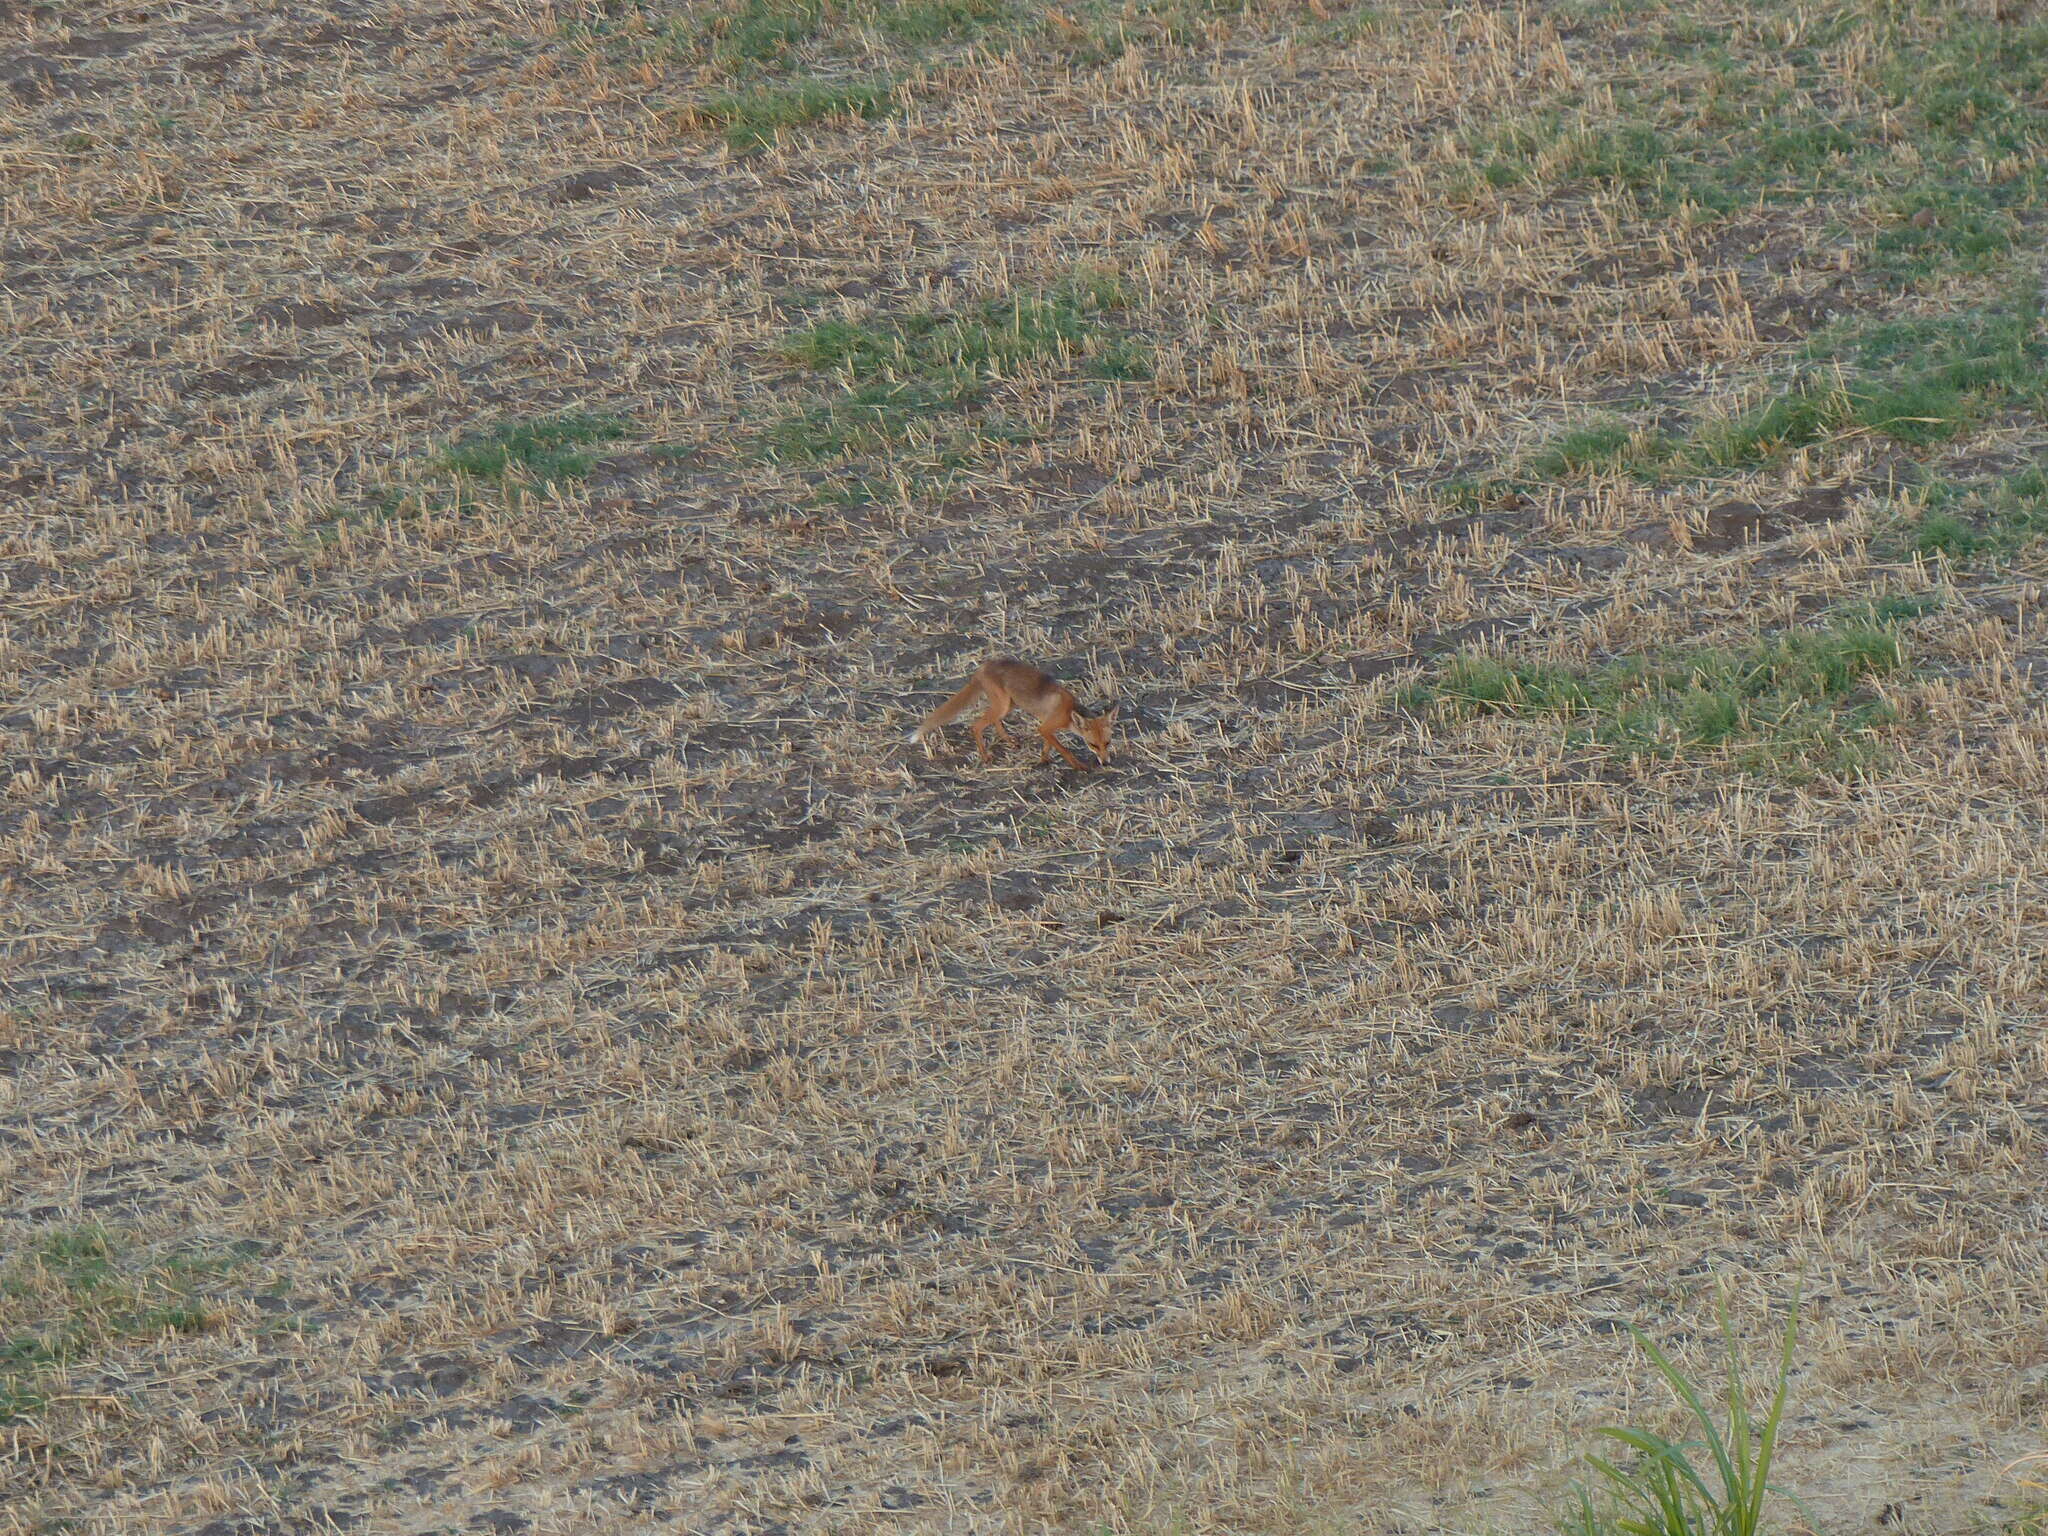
1791	704
754	118
75	1292
1943	150
1717	1483
1606	445
922	23
922	379
544	451
761	31
1992	519
1915	382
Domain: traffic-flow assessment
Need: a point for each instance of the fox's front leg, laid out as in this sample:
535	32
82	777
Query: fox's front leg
1054	744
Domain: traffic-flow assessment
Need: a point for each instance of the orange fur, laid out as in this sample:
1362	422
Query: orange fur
1006	684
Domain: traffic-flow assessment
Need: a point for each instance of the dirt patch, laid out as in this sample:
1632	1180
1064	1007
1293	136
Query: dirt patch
247	374
1733	524
34	78
581	186
303	314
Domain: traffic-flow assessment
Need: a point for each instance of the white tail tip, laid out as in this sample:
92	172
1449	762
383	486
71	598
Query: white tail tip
915	737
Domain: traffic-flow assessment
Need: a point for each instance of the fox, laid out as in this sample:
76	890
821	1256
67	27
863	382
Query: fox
1006	683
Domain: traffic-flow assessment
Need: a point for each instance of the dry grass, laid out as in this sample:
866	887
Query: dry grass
464	869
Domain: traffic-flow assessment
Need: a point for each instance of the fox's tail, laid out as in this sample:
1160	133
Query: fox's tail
956	705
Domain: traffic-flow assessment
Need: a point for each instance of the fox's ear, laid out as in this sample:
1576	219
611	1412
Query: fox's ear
1109	713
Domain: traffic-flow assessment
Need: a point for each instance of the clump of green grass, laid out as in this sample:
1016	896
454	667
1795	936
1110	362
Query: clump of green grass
759	38
922	23
753	118
1992	520
793	62
955	353
1990	348
1790	704
879	416
1937	228
1804	413
1602	445
922	379
1717	1483
1119	359
1915	382
759	32
1553	150
852	491
544	451
1942	144
75	1292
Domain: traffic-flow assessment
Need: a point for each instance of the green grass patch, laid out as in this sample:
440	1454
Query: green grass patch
1119	359
1934	229
764	39
540	452
789	63
1665	168
1992	519
546	450
1804	413
851	491
754	117
1791	705
1916	382
79	1290
924	23
1934	150
954	353
1599	446
757	38
870	419
921	381
759	32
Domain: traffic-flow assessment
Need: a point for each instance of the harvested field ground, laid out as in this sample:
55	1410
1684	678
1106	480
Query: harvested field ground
501	1033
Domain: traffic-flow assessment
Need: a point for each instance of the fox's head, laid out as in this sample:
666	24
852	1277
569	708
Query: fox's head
1095	731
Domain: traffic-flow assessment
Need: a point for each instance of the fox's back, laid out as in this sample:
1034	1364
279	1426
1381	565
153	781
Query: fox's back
1022	681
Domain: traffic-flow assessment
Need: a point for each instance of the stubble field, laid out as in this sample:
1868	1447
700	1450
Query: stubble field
501	1034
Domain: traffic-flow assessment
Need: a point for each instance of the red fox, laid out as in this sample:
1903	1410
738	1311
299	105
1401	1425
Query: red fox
1006	684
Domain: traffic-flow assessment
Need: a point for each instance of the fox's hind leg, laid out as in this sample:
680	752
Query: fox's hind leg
998	706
